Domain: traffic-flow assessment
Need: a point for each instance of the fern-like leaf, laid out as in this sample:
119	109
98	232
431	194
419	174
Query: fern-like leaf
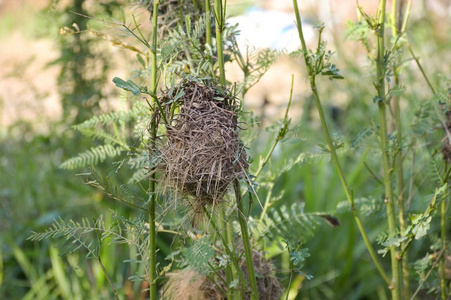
289	223
73	236
138	109
198	255
92	157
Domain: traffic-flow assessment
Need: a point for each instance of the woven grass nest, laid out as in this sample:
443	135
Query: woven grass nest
169	13
188	284
202	152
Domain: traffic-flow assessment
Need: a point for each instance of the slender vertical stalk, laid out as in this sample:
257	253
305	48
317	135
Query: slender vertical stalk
442	268
333	153
420	286
246	241
279	137
116	294
399	155
208	22
406	16
228	238
227	250
400	192
389	201
196	6
417	61
443	210
394	25
220	23
281	133
153	132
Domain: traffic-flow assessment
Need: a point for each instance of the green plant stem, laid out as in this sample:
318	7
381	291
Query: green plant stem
116	295
389	200
442	265
393	24
267	202
335	160
229	252
196	6
228	239
212	278
428	274
290	280
281	133
417	61
400	192
443	210
246	241
280	136
380	84
399	155
238	292
153	129
220	23
442	268
406	16
208	22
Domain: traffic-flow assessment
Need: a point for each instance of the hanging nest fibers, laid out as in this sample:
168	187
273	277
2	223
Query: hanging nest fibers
189	284
202	152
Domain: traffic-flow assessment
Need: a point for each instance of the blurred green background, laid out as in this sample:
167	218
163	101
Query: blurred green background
49	82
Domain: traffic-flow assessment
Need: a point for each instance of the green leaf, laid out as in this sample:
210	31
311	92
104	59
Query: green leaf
141	60
397	90
421	229
332	72
127	85
396	241
296	53
93	156
199	255
123	17
234	283
297	257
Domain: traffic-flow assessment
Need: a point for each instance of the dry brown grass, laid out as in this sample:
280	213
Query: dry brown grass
201	153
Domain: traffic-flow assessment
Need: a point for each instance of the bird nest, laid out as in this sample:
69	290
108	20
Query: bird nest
169	13
189	284
202	152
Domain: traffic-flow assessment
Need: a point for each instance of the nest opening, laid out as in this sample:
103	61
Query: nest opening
202	153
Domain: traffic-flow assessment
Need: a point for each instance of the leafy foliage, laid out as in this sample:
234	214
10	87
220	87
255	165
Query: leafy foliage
89	236
110	129
365	205
297	257
320	59
75	236
92	157
199	255
281	221
420	224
